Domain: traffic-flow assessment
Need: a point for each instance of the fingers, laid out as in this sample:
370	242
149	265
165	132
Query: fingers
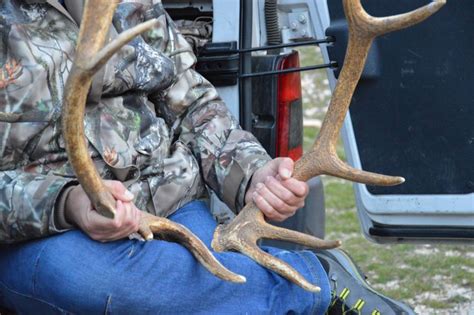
267	209
296	187
280	199
125	223
119	191
279	167
291	191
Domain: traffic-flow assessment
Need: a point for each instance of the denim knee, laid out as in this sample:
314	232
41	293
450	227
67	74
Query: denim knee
319	277
74	273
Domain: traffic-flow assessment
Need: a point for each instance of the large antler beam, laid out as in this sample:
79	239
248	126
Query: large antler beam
249	226
92	36
90	56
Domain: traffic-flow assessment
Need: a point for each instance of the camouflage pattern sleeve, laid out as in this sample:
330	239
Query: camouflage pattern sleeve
228	155
27	204
30	86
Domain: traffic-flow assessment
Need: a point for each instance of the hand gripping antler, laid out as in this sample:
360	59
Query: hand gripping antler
249	226
90	56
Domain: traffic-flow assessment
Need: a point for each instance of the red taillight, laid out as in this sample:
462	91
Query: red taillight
290	110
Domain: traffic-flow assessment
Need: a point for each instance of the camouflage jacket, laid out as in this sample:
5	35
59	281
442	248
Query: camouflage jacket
151	121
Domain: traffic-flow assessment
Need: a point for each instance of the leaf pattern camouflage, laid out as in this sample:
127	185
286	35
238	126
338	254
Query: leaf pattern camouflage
197	33
151	121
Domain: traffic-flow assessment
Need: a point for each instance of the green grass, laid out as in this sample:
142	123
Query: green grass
436	279
406	272
339	195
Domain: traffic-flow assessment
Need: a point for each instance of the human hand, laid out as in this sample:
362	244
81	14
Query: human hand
79	211
275	192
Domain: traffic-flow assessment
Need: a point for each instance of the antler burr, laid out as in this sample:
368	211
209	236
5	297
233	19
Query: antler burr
90	56
249	226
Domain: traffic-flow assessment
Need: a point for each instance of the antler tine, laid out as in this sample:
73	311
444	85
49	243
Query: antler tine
279	266
324	162
375	26
172	231
110	49
278	233
249	226
90	56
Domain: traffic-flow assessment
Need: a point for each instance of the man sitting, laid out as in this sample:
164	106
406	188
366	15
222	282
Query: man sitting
159	134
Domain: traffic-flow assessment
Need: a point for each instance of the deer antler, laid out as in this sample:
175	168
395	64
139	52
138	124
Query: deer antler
90	56
249	226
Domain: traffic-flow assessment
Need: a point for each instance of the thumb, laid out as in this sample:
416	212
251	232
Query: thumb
285	168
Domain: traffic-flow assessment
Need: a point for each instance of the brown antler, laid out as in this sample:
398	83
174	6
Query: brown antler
90	56
249	226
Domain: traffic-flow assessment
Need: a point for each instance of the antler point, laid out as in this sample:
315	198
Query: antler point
240	279
314	289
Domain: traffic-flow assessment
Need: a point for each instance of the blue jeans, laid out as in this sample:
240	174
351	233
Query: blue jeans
70	273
